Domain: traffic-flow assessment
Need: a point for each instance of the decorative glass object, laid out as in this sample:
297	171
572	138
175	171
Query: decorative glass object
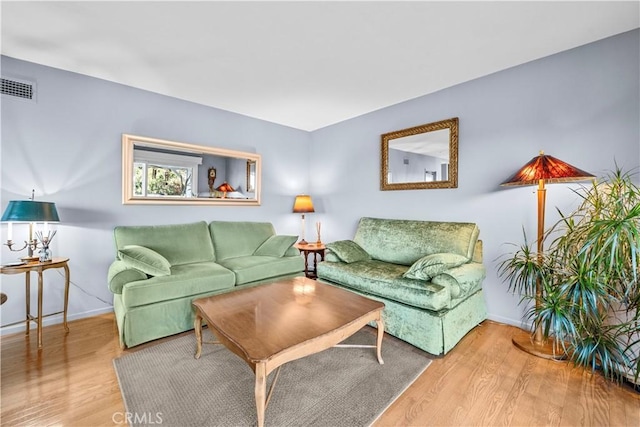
44	254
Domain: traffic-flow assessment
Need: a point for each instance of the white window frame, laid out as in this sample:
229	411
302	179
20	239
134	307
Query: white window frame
167	160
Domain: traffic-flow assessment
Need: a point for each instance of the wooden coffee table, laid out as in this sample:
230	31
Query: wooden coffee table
272	324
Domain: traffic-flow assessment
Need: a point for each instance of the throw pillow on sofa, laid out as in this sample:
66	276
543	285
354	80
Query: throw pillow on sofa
348	251
276	246
431	265
146	260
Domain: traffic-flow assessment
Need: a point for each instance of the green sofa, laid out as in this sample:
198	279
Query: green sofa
428	274
160	270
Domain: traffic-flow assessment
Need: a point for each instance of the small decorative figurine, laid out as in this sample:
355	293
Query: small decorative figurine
212	179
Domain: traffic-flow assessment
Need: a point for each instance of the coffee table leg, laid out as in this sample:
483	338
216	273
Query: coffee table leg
197	326
261	392
380	325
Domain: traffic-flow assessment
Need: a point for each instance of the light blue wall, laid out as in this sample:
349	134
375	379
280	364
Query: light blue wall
67	146
581	106
411	167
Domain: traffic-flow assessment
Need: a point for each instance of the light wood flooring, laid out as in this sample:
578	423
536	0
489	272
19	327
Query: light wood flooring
484	380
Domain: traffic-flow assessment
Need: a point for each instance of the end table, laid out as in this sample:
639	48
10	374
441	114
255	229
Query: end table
315	249
39	267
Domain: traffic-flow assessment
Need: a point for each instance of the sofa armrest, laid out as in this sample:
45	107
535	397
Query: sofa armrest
477	252
119	275
462	280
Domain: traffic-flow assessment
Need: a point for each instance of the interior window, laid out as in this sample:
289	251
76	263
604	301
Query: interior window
159	174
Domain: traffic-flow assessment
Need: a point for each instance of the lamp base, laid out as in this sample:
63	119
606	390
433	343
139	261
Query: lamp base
303	242
30	258
522	340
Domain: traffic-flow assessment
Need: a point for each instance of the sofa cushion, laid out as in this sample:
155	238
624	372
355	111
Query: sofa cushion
385	280
178	243
276	246
233	239
348	251
185	280
144	259
431	265
253	268
405	241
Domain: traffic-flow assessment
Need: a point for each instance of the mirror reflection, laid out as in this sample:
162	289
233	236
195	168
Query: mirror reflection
251	175
159	171
421	157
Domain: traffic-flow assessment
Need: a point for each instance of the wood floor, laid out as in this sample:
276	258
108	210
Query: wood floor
484	380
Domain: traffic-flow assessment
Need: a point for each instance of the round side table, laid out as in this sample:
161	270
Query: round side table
315	249
39	267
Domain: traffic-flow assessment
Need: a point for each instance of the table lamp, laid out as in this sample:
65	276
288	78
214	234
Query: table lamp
225	188
538	171
28	211
302	205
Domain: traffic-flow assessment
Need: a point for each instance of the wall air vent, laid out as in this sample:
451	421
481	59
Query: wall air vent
15	88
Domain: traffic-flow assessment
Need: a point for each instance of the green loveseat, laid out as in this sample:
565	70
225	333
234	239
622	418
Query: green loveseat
428	274
160	270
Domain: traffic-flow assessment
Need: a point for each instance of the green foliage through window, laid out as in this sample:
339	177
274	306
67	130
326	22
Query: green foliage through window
161	180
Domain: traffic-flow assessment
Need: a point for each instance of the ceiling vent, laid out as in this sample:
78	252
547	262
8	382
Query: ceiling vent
16	88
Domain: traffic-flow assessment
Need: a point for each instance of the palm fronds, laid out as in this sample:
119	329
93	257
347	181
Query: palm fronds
590	270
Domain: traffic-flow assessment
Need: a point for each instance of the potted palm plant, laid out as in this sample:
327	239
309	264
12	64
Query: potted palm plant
590	279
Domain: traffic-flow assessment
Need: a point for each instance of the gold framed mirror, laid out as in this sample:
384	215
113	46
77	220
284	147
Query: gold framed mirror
251	175
156	171
420	157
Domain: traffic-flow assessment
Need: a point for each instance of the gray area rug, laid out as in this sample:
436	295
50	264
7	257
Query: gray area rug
164	384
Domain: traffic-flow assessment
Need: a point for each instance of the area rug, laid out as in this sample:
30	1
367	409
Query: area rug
164	384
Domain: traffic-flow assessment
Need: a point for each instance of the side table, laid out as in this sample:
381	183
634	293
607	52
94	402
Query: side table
39	267
315	249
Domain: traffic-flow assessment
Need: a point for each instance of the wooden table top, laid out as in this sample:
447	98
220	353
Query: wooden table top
267	319
35	265
310	246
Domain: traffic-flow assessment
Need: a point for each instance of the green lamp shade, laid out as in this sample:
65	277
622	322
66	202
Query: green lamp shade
30	211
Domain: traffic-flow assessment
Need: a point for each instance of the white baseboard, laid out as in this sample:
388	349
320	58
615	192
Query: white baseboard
506	320
53	320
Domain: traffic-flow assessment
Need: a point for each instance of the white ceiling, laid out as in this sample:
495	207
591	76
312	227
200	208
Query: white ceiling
301	64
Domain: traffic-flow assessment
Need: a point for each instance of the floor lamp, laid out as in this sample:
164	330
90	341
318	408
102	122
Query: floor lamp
538	171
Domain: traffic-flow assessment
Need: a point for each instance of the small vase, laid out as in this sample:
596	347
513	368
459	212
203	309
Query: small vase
45	254
318	225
